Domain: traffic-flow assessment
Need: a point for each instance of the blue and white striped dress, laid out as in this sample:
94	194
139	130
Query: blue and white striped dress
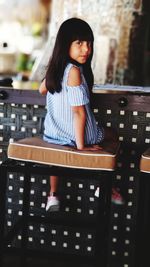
58	124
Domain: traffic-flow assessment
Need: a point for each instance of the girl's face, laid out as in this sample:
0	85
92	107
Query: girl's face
80	51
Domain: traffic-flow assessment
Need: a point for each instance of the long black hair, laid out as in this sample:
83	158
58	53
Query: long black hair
69	31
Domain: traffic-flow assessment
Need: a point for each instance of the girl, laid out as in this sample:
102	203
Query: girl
68	81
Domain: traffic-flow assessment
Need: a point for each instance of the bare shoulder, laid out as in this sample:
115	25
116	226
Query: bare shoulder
74	77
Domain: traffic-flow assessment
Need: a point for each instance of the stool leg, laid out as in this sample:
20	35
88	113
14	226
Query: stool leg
3	183
25	216
105	209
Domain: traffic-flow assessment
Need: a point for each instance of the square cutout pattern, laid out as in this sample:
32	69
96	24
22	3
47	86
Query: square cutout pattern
132	123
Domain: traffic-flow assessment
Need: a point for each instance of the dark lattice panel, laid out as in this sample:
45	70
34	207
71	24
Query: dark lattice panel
79	225
19	121
78	199
132	123
67	241
130	116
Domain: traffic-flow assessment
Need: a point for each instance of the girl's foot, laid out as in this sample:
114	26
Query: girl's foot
116	197
53	203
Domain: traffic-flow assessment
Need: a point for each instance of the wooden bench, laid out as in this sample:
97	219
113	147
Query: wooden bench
145	161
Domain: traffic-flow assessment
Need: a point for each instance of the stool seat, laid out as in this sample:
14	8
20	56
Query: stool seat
145	161
35	149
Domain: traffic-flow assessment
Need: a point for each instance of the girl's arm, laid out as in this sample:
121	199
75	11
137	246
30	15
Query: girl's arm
79	113
79	119
42	88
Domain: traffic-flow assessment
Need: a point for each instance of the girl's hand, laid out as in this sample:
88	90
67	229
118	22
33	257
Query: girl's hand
97	147
42	88
91	148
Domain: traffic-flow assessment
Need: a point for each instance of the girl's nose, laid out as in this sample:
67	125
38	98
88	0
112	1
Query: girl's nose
85	47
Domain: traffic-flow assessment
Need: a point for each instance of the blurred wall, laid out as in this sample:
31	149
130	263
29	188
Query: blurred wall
111	21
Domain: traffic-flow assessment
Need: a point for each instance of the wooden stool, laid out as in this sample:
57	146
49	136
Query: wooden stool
35	156
143	219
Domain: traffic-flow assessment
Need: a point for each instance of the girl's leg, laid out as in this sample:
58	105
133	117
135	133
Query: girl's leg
52	200
53	184
116	197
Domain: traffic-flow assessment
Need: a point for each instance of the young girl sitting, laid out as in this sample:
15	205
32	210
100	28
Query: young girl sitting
68	83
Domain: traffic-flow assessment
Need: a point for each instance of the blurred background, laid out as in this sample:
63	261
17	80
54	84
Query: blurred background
122	38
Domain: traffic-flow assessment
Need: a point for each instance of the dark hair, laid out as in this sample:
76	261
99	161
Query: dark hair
69	31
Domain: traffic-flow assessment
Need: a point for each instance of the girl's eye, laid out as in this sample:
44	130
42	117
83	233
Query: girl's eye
79	42
89	44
